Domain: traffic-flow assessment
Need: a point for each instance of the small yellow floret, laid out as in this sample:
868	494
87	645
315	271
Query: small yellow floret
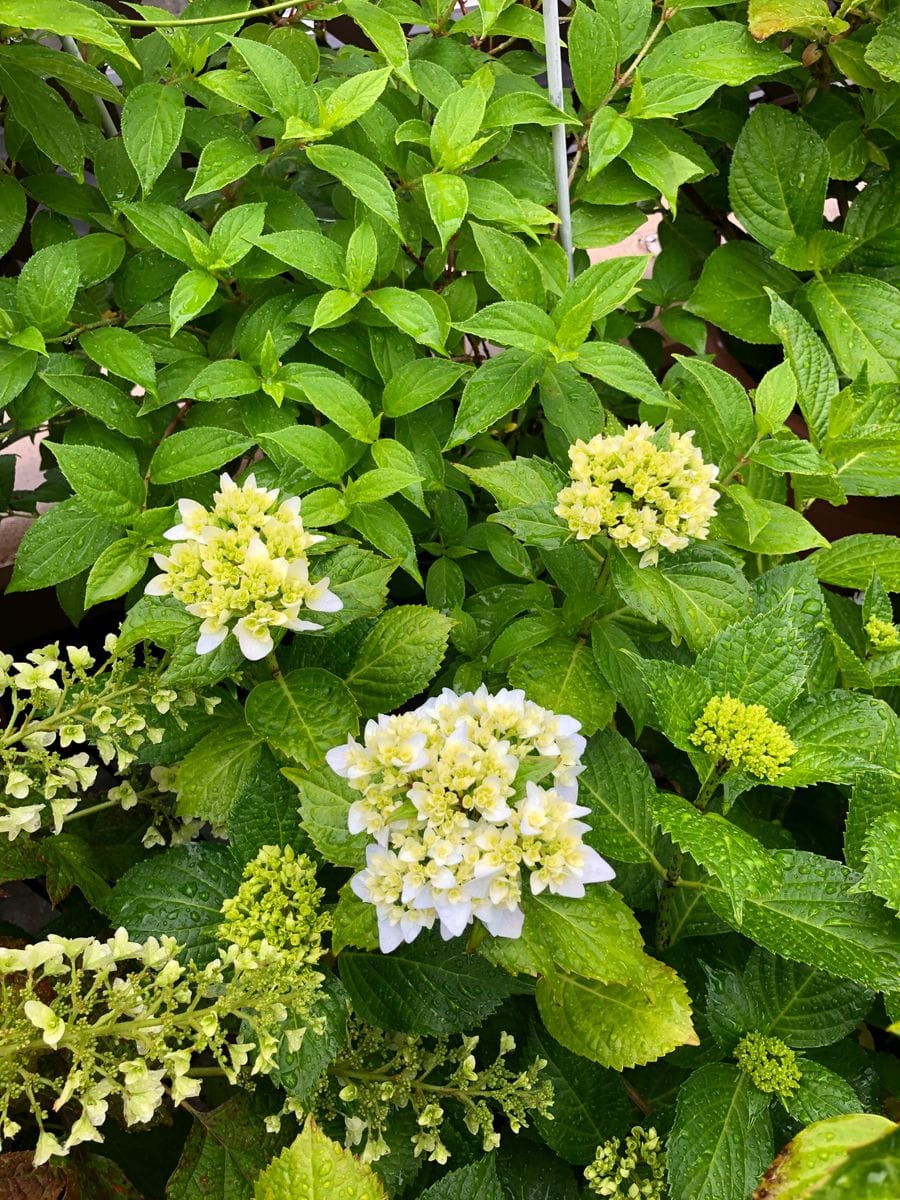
643	488
745	736
882	634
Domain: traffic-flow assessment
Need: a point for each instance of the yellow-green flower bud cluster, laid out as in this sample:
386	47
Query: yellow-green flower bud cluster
125	1020
58	701
882	635
380	1072
633	1170
450	797
770	1063
644	488
276	919
744	737
242	568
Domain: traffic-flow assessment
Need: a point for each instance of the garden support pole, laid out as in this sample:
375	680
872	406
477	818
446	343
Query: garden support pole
560	158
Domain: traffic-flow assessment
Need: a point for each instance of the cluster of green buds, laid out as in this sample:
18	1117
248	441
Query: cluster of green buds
743	737
769	1062
633	1169
90	1026
275	919
57	702
380	1072
883	636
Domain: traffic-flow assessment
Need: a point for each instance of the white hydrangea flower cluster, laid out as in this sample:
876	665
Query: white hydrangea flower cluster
242	567
460	795
643	488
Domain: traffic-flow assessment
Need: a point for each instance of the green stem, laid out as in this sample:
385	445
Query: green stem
222	18
94	808
272	663
639	58
709	786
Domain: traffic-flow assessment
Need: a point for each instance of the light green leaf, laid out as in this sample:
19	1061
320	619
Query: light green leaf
608	136
731	290
499	385
881	850
331	395
883	51
722	51
107	483
418	383
353	97
315	448
360	177
60	544
303	714
46	287
695	593
398	658
117	569
512	323
593	46
665	157
509	267
778	176
735	858
615	1024
621	368
222	161
192	452
447	198
217	770
721	1141
856	315
851	561
152	121
849	1155
718	408
385	32
71	19
311	253
190	295
315	1168
412	314
811	363
759	660
325	801
122	353
766	17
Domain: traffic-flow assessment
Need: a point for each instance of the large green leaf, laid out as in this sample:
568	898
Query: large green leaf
152	121
563	675
64	542
398	658
214	774
303	714
734	857
811	363
695	593
428	987
851	561
778	176
844	1156
731	290
325	801
224	1152
499	385
722	51
881	874
179	893
477	1181
721	1141
617	787
618	1025
855	313
816	917
757	660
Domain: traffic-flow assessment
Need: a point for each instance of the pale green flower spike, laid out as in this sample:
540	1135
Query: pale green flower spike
770	1063
744	736
643	488
882	634
242	568
635	1170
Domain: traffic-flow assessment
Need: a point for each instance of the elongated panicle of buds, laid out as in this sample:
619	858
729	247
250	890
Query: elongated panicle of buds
745	737
644	488
460	796
242	568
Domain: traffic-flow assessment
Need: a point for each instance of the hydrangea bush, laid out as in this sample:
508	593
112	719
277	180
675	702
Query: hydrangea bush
475	775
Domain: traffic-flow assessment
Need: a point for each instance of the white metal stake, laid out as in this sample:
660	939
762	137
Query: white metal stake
560	157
